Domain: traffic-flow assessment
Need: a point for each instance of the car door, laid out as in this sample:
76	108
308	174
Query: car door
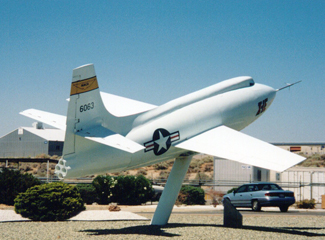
249	195
238	199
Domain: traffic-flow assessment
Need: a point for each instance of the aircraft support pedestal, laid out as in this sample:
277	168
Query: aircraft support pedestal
171	190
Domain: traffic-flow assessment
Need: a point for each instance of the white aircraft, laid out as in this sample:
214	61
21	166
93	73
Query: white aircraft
107	133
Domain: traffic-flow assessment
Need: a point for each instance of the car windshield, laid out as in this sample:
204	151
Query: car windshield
269	187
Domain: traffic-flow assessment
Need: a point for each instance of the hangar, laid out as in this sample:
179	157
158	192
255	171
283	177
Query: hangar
32	141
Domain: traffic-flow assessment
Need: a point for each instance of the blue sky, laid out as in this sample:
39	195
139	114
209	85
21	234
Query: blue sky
155	51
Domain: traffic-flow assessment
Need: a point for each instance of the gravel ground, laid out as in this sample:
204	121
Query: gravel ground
181	226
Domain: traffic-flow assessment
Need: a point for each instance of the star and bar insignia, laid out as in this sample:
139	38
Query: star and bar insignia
161	141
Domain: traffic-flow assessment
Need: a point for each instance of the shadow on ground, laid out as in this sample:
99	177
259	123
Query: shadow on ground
162	230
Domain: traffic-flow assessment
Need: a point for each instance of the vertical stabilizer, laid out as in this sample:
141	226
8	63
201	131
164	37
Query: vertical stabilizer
89	123
86	108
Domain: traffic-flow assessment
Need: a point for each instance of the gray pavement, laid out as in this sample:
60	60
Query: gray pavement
101	213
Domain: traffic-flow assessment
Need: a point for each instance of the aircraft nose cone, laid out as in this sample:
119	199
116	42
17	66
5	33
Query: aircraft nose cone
271	93
268	93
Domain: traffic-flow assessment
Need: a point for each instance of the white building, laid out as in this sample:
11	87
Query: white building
305	182
32	141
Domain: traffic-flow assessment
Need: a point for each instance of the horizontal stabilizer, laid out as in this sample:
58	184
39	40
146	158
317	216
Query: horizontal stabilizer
230	144
121	106
54	120
107	137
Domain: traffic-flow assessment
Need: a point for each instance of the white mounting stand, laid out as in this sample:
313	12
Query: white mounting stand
171	190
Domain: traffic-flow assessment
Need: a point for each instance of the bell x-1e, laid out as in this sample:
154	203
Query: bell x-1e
107	133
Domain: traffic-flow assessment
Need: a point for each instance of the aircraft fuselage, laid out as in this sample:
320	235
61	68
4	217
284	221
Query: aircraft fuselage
235	109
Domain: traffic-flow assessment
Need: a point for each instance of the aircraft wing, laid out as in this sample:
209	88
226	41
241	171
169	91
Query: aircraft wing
55	120
118	106
107	137
230	144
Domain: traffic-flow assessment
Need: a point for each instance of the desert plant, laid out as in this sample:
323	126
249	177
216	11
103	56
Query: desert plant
88	193
42	155
181	198
141	171
163	175
129	190
216	196
231	190
306	204
191	195
49	202
202	176
161	166
104	186
12	183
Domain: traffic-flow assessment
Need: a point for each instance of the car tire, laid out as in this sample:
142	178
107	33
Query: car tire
284	208
256	206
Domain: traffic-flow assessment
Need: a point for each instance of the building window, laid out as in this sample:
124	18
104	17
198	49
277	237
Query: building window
277	176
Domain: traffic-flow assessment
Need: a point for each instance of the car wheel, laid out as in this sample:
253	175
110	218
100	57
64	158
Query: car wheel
256	206
284	208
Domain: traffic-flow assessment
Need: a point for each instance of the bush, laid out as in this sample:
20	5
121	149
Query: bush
216	196
202	177
128	190
49	202
88	193
306	204
231	190
190	195
12	183
104	186
161	166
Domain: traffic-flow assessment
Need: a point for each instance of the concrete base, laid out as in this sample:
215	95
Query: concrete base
231	217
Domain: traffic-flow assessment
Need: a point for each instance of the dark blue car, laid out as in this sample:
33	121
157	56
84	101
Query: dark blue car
261	194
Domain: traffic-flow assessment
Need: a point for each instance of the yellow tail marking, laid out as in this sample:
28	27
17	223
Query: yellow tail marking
84	86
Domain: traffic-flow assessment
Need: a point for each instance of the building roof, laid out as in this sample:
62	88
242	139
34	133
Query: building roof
299	144
50	134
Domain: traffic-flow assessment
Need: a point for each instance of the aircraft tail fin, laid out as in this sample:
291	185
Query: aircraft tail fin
84	95
86	109
90	123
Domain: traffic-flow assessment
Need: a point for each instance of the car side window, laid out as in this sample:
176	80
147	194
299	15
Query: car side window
266	187
241	189
275	187
252	188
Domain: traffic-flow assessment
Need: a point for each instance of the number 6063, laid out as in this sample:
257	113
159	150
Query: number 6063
87	107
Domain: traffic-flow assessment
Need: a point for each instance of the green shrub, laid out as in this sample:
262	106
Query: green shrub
49	202
231	190
190	195
88	193
306	204
104	186
12	183
128	190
